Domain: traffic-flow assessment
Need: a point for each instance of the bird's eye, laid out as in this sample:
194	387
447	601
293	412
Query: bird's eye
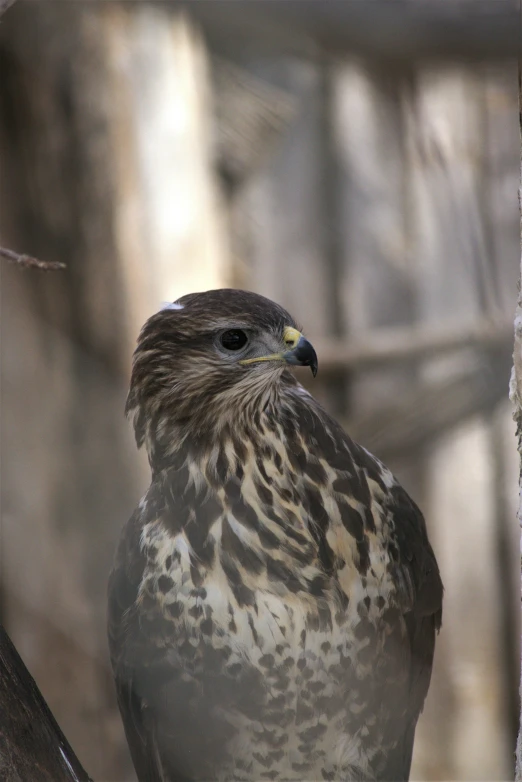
234	339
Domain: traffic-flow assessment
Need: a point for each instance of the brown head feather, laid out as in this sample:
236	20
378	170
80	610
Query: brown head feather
184	382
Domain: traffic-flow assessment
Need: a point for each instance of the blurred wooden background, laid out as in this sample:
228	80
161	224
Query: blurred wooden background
366	182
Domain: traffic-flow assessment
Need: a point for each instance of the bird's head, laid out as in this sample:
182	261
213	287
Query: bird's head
209	357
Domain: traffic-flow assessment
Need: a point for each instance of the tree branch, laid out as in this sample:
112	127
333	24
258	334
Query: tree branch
27	261
32	746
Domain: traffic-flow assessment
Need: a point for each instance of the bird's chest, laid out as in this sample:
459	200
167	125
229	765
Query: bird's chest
292	673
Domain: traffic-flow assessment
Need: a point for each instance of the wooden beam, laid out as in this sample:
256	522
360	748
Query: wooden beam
387	346
403	30
415	421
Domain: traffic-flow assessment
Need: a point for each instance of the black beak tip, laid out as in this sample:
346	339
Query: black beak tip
303	355
306	355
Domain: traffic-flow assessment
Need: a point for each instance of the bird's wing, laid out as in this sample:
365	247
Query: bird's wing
420	598
173	735
415	613
129	651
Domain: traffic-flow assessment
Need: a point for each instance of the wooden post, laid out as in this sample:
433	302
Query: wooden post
516	398
468	710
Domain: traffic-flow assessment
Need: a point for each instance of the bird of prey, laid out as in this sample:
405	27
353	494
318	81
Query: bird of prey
274	600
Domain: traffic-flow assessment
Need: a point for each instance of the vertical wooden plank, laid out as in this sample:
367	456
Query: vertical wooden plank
448	233
287	260
499	166
332	213
500	178
515	389
375	288
169	221
501	433
450	240
250	116
463	510
370	138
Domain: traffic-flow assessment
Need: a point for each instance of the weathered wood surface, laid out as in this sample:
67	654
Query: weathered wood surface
284	212
106	158
32	746
249	117
414	421
403	30
516	399
386	346
425	231
456	270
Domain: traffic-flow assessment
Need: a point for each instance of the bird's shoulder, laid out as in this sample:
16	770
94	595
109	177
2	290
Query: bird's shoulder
370	513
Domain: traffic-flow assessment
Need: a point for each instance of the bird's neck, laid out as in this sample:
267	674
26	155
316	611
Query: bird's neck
225	427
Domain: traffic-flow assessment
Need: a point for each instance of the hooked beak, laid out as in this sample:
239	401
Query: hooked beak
300	352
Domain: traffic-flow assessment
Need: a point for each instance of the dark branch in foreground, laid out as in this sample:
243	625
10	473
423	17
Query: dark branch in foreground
28	262
32	746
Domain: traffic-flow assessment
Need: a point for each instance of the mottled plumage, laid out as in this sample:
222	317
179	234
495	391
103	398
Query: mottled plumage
274	601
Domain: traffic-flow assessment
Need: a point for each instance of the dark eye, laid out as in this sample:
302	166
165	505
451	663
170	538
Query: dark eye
235	339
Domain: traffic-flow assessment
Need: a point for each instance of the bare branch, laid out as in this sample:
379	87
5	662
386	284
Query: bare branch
27	261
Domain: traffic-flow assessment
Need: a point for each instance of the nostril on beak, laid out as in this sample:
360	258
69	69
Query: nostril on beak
291	337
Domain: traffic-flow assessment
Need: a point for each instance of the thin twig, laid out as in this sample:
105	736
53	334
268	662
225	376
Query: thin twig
27	261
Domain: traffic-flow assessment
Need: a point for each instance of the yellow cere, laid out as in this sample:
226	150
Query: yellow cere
291	336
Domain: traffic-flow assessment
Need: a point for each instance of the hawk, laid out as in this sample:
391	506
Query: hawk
274	601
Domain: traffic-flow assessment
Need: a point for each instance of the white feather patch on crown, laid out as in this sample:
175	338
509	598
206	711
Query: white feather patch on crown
171	305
